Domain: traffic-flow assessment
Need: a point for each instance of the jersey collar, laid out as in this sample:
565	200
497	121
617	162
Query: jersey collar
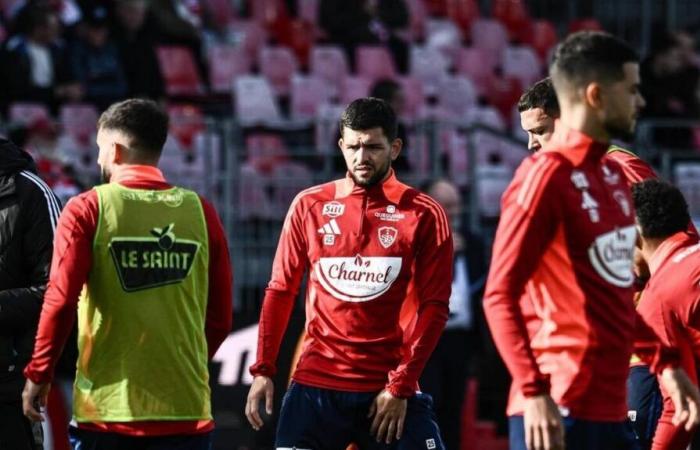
390	187
575	145
668	247
137	173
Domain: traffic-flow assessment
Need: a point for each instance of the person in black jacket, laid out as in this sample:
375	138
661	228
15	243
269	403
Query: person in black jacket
28	215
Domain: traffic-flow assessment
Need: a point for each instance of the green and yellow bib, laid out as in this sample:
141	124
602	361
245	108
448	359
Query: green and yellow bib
141	341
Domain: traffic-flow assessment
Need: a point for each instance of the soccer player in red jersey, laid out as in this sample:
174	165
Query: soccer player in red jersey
373	246
559	295
671	301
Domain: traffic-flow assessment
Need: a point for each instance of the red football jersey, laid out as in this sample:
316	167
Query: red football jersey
671	307
559	294
370	252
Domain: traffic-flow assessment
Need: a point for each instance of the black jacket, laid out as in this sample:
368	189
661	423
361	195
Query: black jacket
28	214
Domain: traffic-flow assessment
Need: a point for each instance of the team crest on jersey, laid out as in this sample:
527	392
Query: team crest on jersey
333	209
387	236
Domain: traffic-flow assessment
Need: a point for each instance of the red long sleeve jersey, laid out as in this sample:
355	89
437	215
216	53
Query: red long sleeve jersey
373	255
558	298
671	307
70	266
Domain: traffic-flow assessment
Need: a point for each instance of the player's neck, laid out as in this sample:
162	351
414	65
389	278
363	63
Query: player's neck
577	117
649	247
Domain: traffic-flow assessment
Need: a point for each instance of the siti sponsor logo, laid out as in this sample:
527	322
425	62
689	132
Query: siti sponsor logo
611	255
390	215
359	278
333	209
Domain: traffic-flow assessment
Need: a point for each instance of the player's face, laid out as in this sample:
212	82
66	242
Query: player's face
368	154
538	126
622	103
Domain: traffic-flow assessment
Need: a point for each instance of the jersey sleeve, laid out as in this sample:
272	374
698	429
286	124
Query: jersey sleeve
291	261
633	167
433	284
219	317
530	215
70	265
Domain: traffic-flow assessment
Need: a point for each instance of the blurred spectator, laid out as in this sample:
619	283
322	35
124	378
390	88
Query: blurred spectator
356	22
669	77
177	22
445	374
40	139
95	60
34	63
135	42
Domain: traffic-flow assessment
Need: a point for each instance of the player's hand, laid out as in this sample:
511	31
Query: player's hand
34	398
262	389
389	414
684	393
544	429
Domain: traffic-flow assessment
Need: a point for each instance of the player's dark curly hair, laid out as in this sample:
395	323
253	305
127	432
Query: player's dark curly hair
540	95
590	56
143	121
661	209
370	112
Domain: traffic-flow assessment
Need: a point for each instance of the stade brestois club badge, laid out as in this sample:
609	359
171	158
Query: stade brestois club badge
152	261
387	236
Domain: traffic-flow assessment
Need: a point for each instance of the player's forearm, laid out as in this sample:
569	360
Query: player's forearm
55	325
659	352
432	317
274	317
513	343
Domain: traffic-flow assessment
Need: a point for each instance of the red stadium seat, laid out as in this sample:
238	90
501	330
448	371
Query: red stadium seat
186	122
179	71
225	63
374	62
513	14
299	36
463	13
79	120
457	96
543	37
489	35
329	63
521	62
288	179
503	93
251	35
267	12
308	94
254	101
27	113
308	10
429	65
354	88
584	24
478	66
278	64
414	97
264	151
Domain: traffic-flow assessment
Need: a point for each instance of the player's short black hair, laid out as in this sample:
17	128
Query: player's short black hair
540	95
661	209
143	121
589	56
370	112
